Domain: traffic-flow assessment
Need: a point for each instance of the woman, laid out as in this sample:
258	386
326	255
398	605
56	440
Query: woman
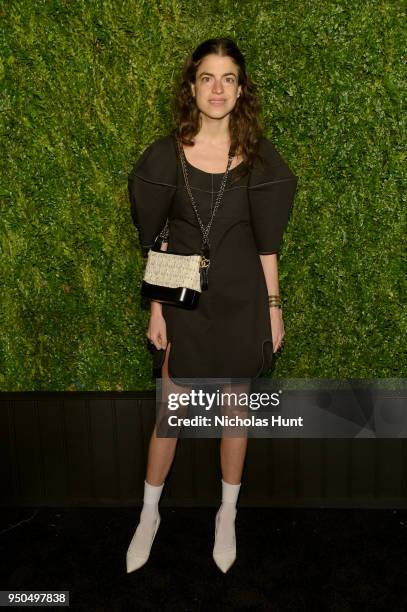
236	327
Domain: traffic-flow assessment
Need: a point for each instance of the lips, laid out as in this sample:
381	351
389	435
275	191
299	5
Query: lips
216	102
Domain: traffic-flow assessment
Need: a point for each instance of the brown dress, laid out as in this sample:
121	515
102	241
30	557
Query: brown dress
228	335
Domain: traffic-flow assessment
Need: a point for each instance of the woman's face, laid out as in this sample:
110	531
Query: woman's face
216	86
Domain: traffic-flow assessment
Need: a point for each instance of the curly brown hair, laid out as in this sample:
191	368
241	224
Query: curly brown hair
245	126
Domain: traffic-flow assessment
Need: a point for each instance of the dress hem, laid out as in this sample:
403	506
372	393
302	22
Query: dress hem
176	379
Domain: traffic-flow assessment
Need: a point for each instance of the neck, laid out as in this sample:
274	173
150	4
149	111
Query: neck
213	131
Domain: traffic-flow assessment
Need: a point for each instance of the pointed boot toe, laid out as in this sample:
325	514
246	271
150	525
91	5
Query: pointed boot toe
139	549
225	560
224	557
134	562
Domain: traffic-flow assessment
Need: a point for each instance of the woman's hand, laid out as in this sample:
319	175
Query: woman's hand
277	328
157	329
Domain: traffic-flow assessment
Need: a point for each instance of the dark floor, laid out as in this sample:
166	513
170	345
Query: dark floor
294	559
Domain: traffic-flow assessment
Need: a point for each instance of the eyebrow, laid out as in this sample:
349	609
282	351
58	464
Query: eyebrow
210	74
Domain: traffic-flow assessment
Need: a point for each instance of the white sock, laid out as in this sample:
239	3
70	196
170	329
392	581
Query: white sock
227	514
230	492
152	494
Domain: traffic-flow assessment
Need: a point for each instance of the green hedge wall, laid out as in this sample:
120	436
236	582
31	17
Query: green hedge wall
87	85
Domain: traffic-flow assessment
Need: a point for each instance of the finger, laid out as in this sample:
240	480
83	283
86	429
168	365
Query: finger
277	346
160	341
154	341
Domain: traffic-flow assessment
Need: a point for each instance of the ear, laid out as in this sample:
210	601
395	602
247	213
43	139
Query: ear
193	89
239	90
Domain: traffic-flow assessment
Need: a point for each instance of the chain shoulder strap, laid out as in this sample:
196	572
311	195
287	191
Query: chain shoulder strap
205	255
205	230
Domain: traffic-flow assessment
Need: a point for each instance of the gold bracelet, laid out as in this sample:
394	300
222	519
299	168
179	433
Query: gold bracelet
274	301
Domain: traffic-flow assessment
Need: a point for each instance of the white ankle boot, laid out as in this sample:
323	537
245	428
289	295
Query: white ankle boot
143	538
224	550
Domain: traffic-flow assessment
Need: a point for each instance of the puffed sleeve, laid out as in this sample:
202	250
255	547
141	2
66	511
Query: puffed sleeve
272	186
152	185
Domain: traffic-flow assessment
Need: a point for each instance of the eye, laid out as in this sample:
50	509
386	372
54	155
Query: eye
205	77
230	79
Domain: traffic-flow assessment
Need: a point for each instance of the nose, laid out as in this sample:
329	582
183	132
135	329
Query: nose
217	86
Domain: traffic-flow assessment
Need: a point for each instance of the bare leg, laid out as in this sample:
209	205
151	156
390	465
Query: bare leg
232	448
161	451
160	457
232	458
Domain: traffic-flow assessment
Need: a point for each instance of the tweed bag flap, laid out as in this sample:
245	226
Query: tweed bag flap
173	270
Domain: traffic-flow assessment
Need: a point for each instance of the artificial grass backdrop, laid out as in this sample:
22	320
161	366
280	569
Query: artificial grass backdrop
87	85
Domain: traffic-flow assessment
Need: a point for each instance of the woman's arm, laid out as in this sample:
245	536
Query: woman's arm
270	269
157	331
